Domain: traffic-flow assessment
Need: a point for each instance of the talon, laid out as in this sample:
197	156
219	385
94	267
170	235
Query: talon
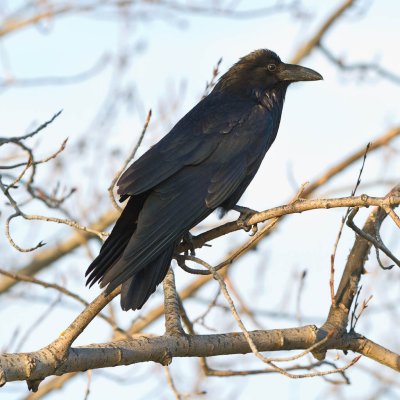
254	229
187	239
245	214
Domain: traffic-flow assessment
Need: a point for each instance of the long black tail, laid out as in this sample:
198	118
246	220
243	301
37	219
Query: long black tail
137	289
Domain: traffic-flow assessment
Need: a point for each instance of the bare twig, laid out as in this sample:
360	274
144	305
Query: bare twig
25	278
20	213
364	305
377	242
210	85
127	161
48	256
89	381
200	319
99	66
361	67
171	384
299	295
4	140
333	255
250	341
227	373
392	215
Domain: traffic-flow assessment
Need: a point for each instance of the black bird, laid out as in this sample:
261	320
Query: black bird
205	162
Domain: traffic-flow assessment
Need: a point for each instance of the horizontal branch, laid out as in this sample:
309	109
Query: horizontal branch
36	366
301	205
161	349
294	207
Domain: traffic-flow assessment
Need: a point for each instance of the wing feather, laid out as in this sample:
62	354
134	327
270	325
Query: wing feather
192	140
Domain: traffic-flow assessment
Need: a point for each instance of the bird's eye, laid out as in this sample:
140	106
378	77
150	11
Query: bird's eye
271	67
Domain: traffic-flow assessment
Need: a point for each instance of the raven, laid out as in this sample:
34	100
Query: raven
205	162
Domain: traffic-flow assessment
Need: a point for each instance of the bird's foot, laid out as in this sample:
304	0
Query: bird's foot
245	215
187	240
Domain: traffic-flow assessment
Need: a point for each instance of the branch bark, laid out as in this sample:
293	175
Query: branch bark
38	365
338	316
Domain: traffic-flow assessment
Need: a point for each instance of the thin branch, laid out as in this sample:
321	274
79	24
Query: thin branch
392	215
227	373
48	256
20	213
355	318
344	218
57	80
216	11
89	381
252	345
362	67
210	85
171	384
375	241
127	161
25	278
4	140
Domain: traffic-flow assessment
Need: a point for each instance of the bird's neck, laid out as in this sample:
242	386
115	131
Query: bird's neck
271	99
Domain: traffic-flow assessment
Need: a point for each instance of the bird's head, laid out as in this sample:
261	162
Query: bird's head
263	70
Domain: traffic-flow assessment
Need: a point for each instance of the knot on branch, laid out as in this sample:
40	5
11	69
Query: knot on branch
332	329
58	354
166	358
33	385
364	198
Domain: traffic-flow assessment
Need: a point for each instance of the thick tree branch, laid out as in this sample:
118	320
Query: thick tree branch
38	365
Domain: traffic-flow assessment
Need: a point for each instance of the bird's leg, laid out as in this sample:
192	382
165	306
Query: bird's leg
245	214
187	239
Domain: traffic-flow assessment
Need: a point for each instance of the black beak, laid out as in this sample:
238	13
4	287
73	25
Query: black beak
295	73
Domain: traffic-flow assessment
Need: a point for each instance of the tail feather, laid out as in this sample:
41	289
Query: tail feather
137	289
105	261
115	244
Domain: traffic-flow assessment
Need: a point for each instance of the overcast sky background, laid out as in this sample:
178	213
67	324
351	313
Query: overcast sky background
322	122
